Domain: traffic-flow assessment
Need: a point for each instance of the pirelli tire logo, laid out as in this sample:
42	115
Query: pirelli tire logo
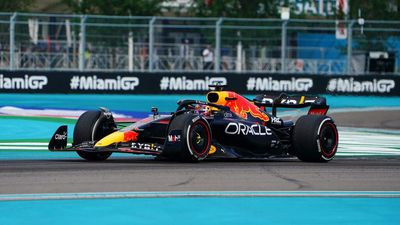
119	83
182	83
350	85
269	84
26	82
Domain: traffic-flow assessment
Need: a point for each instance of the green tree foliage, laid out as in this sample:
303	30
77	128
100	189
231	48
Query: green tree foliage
110	35
240	9
235	8
378	37
375	9
116	7
15	5
371	9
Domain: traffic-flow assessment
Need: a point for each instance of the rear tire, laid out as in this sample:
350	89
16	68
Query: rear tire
315	138
90	127
189	138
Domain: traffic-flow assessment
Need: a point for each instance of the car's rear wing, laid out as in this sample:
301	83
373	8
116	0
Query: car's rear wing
317	104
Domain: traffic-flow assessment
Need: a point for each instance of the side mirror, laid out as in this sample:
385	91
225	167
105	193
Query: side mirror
154	110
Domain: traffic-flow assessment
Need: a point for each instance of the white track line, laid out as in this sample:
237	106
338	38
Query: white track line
22	148
105	195
24	143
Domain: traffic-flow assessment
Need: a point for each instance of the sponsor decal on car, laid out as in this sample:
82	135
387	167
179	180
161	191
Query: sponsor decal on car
108	115
62	136
130	136
146	146
237	128
228	114
182	83
270	84
244	108
275	144
354	86
276	120
174	138
120	83
23	83
289	101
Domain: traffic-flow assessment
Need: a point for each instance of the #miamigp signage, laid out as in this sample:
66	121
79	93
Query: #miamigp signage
192	83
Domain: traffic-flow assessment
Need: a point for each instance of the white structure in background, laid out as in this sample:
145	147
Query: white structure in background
56	50
341	28
239	57
176	5
33	25
130	51
285	16
68	33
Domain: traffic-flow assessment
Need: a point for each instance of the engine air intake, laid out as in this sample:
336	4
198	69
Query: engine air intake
212	97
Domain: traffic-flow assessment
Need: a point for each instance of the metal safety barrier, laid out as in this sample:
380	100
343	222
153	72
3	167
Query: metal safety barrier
177	44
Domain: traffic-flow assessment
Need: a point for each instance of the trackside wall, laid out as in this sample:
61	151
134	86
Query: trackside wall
192	83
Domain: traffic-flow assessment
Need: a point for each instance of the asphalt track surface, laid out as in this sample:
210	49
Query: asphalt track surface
132	174
144	174
382	119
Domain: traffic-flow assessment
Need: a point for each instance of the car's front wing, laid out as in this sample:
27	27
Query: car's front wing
127	147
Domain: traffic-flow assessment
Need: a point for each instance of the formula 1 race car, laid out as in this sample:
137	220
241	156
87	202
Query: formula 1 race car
227	125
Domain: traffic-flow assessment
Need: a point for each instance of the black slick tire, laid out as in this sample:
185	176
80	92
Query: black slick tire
89	127
189	138
315	138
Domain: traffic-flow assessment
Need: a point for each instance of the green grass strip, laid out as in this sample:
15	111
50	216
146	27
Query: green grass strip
39	118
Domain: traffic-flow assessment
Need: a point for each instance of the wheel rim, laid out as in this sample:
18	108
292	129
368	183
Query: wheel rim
328	140
199	137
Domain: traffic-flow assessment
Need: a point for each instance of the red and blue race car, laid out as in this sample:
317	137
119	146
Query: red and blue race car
227	125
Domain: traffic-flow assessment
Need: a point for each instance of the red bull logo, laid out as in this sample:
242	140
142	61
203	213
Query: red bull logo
130	136
241	106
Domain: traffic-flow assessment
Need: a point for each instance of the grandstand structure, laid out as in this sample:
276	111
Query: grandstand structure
62	42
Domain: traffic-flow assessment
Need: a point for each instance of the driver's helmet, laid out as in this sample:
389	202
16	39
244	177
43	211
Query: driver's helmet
204	109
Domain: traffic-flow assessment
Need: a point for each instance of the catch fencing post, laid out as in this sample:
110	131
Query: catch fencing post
82	43
218	45
12	41
283	46
130	51
151	42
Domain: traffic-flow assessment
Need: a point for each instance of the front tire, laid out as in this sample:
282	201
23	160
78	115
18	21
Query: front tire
315	138
189	138
91	127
